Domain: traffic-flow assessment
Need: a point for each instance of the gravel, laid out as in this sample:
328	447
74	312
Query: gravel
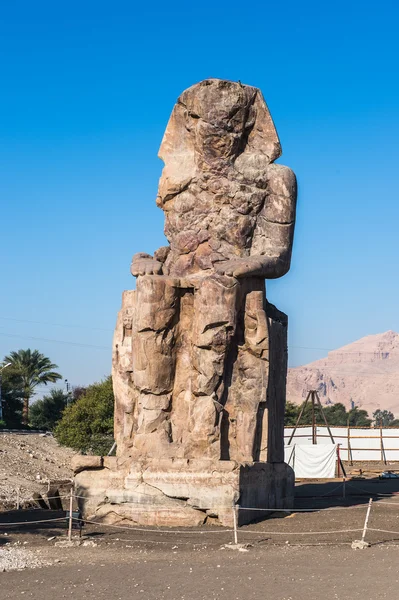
27	463
12	559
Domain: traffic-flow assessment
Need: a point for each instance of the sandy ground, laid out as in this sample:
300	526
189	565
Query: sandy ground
272	572
306	555
303	555
27	462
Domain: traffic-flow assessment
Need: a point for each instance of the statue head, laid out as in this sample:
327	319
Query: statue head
219	118
212	124
219	115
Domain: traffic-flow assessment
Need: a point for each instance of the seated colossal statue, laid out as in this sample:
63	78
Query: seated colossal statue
199	354
191	348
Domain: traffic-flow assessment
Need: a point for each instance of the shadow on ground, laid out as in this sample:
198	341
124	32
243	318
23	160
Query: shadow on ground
325	494
16	522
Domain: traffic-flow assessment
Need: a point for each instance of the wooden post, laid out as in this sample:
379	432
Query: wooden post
112	449
367	519
235	524
350	458
383	457
70	516
329	431
314	439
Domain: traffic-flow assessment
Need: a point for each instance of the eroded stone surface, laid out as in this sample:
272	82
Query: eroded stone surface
199	356
80	462
192	343
179	492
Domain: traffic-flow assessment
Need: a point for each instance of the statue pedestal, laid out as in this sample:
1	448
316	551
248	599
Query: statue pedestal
180	492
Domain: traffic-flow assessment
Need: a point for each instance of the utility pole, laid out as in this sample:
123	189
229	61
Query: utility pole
68	391
1	400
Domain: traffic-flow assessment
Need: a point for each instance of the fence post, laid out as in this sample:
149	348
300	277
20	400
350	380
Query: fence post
18	501
367	519
235	525
70	516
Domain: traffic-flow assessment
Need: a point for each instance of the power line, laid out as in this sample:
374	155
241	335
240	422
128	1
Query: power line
110	331
83	345
312	348
55	324
40	339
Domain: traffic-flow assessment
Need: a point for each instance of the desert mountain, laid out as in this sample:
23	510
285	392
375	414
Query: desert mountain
364	374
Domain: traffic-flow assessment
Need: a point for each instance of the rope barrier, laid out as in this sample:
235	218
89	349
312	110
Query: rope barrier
324	495
138	541
201	532
384	531
31	522
243	531
297	510
225	530
146	508
370	493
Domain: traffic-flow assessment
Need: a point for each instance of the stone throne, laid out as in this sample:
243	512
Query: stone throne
199	355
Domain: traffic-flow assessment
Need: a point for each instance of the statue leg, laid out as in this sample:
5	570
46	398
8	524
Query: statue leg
122	369
246	415
276	390
213	329
154	327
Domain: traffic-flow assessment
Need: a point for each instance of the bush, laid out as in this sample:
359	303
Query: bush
45	413
87	425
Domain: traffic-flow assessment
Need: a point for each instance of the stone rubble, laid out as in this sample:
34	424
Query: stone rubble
12	559
27	462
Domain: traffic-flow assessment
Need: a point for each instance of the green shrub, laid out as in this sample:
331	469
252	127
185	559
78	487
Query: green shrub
87	425
45	413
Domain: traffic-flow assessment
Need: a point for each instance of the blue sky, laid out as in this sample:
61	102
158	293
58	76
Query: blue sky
87	88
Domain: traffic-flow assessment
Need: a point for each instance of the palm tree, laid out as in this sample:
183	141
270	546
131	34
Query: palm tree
33	368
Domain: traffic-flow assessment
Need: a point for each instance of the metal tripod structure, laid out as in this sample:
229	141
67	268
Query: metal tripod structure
315	400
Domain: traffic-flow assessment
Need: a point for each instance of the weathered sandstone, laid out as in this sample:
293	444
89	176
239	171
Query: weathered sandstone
199	355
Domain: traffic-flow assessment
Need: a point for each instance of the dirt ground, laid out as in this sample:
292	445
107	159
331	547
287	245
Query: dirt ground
304	555
27	463
264	572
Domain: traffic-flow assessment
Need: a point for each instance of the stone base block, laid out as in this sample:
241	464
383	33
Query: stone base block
182	492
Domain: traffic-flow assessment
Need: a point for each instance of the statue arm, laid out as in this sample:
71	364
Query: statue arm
274	231
270	253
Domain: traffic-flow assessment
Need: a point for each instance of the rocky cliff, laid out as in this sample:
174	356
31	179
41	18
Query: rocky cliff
365	373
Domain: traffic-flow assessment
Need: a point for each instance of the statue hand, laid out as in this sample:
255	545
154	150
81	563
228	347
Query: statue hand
241	267
145	264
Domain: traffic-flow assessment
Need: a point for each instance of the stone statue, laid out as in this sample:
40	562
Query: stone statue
191	351
199	355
